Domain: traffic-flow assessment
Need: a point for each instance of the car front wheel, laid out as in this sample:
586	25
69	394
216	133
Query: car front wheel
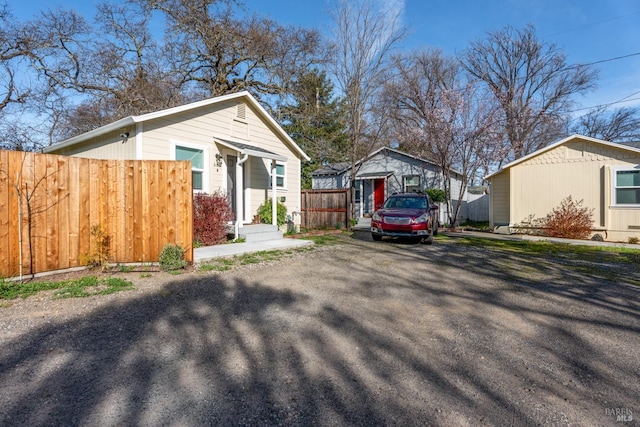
376	237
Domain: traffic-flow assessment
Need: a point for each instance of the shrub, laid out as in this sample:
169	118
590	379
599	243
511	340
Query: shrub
264	212
570	220
101	248
437	195
211	212
172	258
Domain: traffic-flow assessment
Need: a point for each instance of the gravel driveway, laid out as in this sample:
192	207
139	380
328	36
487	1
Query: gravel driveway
359	333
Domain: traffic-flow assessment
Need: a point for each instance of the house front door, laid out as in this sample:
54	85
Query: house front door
232	183
378	193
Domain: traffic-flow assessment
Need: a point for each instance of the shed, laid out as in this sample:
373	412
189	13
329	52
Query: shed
604	175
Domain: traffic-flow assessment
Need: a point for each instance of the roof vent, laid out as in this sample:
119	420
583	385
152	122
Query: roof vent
241	111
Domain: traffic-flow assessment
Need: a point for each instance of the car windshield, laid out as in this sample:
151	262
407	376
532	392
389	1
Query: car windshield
406	203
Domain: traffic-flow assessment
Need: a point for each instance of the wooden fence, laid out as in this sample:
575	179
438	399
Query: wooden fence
324	208
49	205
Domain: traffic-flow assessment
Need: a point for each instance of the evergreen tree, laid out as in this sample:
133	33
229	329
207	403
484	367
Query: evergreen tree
313	119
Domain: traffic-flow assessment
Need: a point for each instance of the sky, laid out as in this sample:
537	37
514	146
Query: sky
605	32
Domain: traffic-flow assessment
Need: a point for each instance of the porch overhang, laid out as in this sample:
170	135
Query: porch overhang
250	150
374	175
244	151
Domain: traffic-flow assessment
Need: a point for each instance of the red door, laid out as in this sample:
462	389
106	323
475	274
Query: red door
378	193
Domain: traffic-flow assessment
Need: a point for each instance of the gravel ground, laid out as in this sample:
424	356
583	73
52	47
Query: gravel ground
359	333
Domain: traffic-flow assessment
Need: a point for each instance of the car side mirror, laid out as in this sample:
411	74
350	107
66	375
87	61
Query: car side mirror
434	208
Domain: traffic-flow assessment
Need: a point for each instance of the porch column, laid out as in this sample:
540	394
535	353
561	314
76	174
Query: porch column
274	200
361	198
239	194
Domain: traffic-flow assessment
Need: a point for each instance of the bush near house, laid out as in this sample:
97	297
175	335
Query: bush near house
436	195
570	220
265	213
211	212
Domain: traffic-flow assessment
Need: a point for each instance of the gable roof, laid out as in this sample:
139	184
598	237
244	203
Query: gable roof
332	169
131	120
561	142
342	167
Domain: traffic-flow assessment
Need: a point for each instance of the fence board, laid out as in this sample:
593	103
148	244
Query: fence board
128	203
140	205
51	234
36	187
324	208
63	195
74	213
153	213
138	249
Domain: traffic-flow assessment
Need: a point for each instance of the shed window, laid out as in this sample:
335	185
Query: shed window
627	187
412	183
197	164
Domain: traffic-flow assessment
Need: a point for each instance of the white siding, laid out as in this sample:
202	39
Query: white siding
197	127
328	182
109	146
221	120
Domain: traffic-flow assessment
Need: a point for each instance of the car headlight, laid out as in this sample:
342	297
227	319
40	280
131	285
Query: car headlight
422	218
376	217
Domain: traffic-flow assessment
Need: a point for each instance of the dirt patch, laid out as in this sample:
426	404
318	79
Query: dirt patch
358	333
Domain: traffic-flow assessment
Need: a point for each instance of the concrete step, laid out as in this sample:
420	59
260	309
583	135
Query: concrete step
259	233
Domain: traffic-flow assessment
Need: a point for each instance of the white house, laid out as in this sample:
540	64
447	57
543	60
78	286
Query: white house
233	143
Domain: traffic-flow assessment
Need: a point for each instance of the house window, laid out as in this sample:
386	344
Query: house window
356	188
412	183
280	175
197	164
627	187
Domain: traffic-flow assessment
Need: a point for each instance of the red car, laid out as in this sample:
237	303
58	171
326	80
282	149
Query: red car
410	215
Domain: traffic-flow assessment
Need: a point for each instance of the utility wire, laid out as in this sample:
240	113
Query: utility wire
593	24
605	105
605	60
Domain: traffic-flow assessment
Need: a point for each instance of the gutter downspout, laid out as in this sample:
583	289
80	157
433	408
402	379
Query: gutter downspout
239	196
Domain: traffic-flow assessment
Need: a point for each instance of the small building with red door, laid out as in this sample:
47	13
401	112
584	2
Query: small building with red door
384	172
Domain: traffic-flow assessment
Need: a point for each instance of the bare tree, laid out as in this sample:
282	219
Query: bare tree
216	53
21	92
440	115
531	82
14	47
620	125
85	76
116	68
365	37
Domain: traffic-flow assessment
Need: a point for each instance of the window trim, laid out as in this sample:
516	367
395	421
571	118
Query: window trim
204	170
404	182
615	187
283	176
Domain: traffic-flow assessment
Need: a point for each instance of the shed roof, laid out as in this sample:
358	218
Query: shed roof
628	147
